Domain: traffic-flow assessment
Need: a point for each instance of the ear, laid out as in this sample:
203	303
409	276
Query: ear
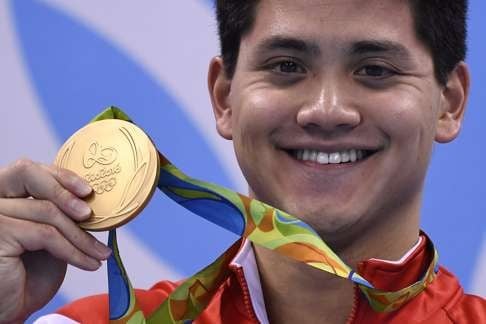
453	104
219	88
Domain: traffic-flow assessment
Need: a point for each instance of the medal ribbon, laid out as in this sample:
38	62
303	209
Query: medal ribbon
251	219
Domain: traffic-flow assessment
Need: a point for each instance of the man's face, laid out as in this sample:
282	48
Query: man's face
322	82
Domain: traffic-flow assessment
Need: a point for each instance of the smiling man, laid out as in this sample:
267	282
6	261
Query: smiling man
333	108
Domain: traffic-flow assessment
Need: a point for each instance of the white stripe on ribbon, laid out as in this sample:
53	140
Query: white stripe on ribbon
174	42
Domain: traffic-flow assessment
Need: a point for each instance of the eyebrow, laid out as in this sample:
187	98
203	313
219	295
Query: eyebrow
288	43
380	46
354	48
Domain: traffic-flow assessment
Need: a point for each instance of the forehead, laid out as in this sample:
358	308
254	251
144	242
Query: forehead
334	20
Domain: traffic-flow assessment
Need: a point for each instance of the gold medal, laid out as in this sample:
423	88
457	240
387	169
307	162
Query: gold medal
120	163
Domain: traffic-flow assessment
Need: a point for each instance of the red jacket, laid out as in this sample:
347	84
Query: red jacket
443	301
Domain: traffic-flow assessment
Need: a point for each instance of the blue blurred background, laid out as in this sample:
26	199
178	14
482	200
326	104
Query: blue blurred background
64	61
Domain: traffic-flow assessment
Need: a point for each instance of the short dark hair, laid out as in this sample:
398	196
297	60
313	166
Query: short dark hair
439	24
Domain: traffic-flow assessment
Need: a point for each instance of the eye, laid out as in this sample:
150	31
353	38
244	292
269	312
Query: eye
287	67
375	71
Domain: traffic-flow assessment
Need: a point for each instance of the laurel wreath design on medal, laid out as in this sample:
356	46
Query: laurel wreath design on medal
119	157
66	155
127	202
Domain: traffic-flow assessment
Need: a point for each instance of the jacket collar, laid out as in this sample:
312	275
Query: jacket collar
383	274
395	275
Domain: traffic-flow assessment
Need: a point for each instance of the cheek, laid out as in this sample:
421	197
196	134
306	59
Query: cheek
407	118
409	123
259	111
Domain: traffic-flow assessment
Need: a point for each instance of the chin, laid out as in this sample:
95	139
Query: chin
328	224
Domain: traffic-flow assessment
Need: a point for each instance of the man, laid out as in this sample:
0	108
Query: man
333	108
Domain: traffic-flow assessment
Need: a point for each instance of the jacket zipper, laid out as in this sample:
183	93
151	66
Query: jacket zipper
354	311
249	307
246	293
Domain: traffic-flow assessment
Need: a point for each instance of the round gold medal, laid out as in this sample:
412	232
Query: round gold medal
120	163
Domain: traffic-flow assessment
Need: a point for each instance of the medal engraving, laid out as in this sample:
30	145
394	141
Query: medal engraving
120	163
104	179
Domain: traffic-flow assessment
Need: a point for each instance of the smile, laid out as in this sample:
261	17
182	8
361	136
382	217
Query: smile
346	156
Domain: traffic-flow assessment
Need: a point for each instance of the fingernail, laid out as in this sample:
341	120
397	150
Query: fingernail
83	188
94	264
80	207
102	250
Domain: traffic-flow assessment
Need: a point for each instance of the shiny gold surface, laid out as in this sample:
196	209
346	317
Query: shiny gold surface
120	163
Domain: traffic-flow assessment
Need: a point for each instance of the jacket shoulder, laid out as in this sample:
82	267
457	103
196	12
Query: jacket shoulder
95	309
468	309
456	306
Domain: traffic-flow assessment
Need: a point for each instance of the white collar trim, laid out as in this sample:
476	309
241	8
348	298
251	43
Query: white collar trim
405	256
245	259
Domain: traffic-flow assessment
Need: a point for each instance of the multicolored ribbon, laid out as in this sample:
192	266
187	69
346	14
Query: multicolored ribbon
251	219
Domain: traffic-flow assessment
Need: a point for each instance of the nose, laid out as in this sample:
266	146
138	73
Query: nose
330	110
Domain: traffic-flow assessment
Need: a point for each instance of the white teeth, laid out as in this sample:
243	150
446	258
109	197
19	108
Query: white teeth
323	158
330	158
345	156
335	158
306	155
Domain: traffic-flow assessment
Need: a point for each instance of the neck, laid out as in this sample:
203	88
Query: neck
319	296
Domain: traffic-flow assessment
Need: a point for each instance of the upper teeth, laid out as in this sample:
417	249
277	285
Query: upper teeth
330	158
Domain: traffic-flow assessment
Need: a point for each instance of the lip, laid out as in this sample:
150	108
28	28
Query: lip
331	147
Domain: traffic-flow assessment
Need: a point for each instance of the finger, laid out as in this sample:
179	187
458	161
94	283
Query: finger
69	180
26	178
44	211
31	236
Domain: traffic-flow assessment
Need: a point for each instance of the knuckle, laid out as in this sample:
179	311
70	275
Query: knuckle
80	239
14	176
47	232
59	192
21	166
56	170
48	209
77	236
